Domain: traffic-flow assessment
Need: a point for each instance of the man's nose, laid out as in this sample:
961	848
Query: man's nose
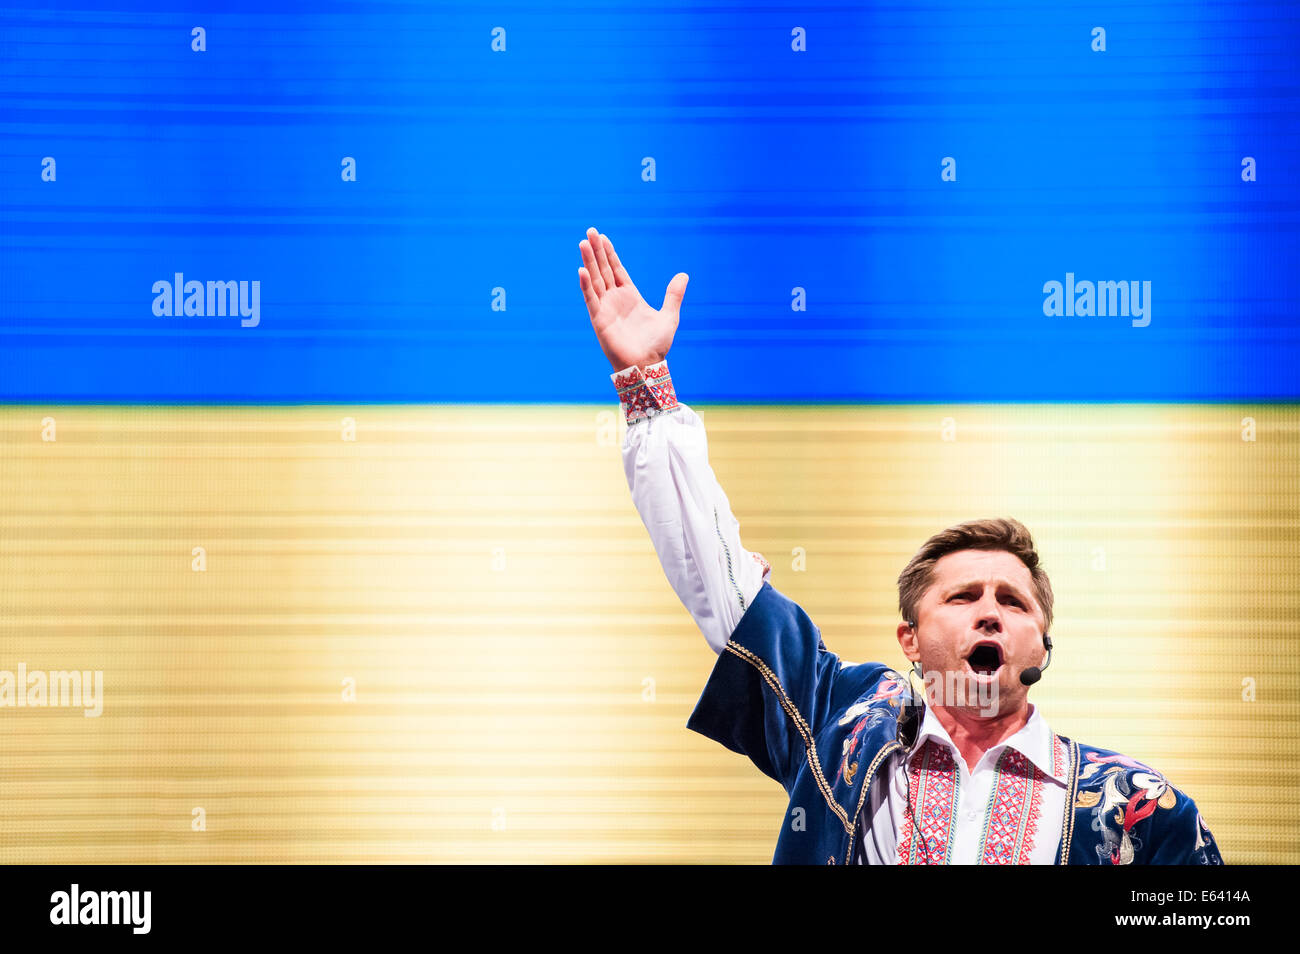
990	614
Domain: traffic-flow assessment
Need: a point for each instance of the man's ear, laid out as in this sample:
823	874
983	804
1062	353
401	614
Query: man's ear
907	639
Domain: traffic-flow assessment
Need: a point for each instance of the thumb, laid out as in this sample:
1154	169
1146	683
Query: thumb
673	297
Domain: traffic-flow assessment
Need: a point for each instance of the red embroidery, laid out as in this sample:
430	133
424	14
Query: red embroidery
644	394
934	786
1014	809
1059	755
1131	815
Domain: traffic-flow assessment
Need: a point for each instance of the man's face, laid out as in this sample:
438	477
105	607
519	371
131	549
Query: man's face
981	620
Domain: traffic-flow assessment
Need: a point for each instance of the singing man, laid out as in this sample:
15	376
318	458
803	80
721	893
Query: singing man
967	771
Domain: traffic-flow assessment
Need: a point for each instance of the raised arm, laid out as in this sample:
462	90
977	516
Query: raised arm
665	451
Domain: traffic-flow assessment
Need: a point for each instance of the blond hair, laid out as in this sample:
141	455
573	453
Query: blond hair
1000	533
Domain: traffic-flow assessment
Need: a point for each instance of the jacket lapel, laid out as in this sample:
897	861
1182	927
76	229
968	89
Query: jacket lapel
1067	822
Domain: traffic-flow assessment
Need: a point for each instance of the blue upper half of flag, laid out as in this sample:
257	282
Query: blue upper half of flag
282	203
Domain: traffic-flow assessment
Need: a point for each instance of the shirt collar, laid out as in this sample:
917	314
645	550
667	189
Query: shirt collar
1034	741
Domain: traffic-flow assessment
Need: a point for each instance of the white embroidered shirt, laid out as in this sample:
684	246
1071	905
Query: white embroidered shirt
1007	809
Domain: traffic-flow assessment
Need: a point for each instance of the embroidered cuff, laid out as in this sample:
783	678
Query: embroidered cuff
644	394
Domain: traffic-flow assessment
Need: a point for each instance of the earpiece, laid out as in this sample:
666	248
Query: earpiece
1035	673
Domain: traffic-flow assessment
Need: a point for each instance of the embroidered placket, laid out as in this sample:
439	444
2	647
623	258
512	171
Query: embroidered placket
1011	818
935	786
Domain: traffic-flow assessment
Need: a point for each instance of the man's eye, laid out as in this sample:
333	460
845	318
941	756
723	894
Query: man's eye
1016	601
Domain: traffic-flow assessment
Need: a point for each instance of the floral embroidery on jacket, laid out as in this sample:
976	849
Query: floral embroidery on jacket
1132	791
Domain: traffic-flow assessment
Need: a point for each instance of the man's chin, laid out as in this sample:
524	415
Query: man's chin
979	693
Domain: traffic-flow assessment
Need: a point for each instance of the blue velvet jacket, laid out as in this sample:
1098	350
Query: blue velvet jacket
779	697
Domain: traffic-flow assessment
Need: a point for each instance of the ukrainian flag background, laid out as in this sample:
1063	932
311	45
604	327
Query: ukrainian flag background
365	580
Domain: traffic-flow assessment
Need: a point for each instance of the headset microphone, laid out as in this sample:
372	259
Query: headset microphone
1035	673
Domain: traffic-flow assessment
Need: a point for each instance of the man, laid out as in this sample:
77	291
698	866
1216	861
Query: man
876	776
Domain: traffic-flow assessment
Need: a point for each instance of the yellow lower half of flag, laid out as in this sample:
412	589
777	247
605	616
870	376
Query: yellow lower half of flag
441	633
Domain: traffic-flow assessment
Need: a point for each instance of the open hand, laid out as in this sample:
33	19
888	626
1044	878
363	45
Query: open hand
630	332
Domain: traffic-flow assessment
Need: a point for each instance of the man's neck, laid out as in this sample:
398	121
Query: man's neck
974	734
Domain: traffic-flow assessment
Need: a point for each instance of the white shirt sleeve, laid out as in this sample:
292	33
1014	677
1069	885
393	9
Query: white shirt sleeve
695	534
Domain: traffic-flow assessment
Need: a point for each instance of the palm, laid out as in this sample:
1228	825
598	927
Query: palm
630	332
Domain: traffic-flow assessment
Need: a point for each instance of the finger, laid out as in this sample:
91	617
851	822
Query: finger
589	259
606	273
588	293
620	273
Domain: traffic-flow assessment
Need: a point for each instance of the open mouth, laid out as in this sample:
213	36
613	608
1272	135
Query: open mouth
985	658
